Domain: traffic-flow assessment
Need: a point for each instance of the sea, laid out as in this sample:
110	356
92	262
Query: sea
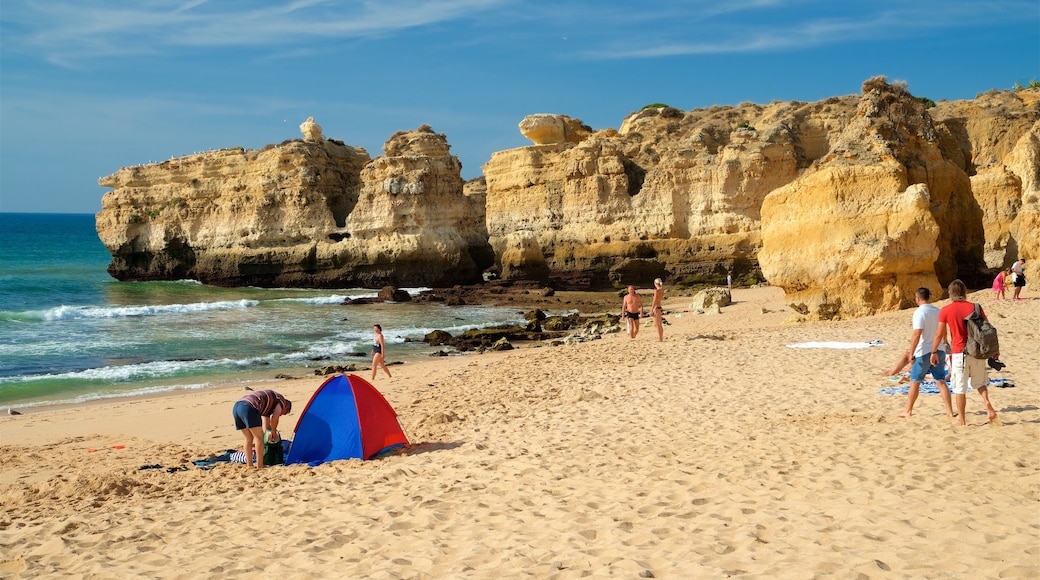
70	333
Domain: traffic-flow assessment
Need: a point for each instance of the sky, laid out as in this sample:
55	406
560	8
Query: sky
88	87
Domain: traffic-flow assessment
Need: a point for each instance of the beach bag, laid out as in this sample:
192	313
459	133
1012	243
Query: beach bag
274	454
982	336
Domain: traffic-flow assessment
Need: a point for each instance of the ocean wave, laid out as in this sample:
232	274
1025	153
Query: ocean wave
334	299
81	312
100	395
138	371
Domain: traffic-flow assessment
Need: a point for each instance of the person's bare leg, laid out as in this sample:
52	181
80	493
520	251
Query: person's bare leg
247	446
658	322
904	359
944	392
911	398
375	365
962	402
258	446
991	413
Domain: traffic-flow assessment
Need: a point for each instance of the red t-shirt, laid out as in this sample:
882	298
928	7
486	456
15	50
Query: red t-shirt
953	315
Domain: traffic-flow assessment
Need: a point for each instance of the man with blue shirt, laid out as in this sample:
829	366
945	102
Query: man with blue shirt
925	323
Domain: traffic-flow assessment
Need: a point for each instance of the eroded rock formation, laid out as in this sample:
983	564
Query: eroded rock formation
315	214
849	204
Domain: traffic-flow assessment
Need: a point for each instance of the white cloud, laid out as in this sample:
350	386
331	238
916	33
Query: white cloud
71	32
65	32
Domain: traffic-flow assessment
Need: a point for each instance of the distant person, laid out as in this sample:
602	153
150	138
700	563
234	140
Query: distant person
378	351
656	310
965	370
1018	277
632	311
998	285
925	322
729	281
255	413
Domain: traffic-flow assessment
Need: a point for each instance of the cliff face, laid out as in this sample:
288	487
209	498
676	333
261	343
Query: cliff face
849	204
302	213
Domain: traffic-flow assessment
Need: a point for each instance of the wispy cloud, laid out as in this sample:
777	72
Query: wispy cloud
72	32
774	25
66	32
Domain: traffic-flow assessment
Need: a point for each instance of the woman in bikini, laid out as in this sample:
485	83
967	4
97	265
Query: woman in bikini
378	346
656	310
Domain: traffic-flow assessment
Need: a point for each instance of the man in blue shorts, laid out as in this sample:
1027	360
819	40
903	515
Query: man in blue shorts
925	323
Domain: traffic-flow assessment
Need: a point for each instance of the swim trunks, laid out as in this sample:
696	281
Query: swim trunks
632	315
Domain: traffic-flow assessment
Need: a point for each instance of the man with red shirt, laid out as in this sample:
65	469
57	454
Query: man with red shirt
964	370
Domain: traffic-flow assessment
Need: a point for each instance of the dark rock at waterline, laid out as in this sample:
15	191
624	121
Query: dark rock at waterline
392	294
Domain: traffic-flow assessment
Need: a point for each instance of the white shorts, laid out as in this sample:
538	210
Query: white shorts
966	370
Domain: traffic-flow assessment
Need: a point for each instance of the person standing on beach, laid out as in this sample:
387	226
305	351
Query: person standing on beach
998	285
965	370
656	310
632	310
378	348
925	322
255	413
1018	271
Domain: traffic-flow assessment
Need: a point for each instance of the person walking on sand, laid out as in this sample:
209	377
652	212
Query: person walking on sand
632	310
656	310
998	285
965	370
378	349
925	322
1018	277
256	413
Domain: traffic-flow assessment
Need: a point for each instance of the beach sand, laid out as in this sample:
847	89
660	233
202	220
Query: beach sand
718	453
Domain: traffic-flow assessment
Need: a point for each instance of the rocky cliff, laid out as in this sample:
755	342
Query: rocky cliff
313	213
849	203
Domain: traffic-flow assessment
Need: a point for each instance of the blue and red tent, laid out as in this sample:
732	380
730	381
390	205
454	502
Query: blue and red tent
346	418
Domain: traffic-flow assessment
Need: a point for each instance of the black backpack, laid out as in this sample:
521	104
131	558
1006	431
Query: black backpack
274	453
982	336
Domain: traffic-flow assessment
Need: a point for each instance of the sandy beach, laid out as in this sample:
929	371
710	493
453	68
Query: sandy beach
717	453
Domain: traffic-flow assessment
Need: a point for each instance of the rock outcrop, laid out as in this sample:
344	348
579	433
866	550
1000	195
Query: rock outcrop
872	197
849	203
302	213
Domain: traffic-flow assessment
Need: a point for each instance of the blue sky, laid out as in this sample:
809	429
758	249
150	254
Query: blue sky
87	87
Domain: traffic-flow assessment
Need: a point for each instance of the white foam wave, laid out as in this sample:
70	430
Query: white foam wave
95	396
139	371
80	312
334	299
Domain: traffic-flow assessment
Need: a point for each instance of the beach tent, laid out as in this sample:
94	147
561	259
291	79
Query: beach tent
346	418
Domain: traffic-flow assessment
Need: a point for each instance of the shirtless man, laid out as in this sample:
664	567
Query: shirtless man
632	309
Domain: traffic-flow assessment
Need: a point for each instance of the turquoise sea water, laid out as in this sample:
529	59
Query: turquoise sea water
71	333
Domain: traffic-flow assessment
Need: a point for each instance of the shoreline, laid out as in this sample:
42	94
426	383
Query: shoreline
507	295
718	451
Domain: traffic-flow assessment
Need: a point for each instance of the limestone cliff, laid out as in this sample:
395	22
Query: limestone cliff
872	197
849	203
314	213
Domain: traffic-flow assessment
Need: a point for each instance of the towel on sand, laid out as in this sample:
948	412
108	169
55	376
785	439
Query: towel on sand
930	388
836	344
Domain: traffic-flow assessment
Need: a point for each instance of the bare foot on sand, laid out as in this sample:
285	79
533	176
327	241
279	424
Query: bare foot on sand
906	414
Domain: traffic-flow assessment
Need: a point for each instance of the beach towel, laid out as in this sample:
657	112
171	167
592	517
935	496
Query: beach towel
836	344
931	388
